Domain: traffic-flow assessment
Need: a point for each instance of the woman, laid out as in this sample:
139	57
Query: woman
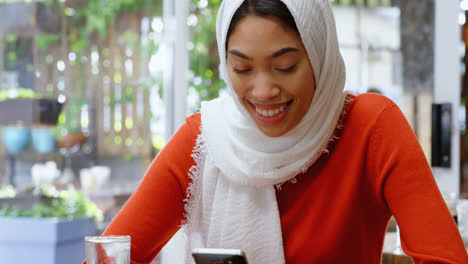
290	169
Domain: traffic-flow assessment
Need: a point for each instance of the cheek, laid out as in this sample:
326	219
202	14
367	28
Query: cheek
308	79
237	85
305	88
302	84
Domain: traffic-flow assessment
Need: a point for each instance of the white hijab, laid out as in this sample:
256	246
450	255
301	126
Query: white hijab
232	202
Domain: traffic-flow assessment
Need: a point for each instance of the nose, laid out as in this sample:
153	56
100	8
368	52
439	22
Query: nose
264	89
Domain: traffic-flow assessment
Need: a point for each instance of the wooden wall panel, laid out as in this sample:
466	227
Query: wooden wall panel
111	71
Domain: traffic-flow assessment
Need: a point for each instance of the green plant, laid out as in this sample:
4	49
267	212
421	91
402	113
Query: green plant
91	20
44	41
204	61
18	93
15	51
94	17
66	203
7	191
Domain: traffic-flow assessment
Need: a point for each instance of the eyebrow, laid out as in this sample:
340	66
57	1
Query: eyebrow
275	55
239	54
283	51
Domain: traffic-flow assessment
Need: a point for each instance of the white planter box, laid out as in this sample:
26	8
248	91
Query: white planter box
44	240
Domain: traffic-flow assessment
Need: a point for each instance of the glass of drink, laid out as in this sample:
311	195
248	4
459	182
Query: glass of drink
107	249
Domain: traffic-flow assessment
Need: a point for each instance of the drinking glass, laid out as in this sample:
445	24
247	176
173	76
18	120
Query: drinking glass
107	249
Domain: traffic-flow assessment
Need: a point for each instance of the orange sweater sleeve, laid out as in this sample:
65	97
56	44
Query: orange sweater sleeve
154	212
428	231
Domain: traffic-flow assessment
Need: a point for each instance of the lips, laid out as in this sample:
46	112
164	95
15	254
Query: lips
272	113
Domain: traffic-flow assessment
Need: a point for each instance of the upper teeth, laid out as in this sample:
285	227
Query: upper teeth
271	112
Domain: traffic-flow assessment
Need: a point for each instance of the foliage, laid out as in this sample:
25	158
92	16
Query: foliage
7	191
91	19
44	41
158	142
204	59
66	203
16	50
95	16
10	1
18	93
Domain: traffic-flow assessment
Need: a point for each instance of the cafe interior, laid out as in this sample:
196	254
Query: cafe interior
91	91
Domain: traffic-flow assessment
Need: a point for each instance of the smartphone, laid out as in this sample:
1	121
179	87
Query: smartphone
219	256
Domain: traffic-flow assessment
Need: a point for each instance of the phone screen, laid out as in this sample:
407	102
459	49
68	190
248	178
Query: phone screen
219	256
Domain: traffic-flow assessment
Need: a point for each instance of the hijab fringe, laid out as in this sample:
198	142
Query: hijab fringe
194	174
334	139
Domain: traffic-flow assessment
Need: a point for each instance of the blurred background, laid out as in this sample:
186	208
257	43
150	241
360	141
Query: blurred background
91	90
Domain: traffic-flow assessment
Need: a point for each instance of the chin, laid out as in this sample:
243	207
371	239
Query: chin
271	132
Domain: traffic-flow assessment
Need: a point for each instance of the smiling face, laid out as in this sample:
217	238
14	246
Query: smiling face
270	72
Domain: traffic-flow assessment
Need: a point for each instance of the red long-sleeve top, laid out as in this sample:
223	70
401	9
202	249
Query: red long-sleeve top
336	212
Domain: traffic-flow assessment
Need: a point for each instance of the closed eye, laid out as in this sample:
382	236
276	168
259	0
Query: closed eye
240	71
287	69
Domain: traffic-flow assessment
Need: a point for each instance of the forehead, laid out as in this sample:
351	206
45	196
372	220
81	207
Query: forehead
262	33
